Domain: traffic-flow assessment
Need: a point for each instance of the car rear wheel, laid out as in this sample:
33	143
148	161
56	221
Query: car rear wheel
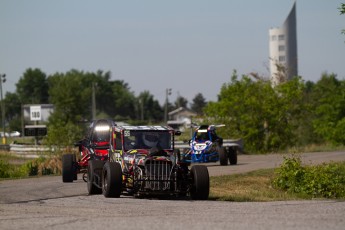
67	168
233	155
112	179
75	174
94	171
200	186
223	157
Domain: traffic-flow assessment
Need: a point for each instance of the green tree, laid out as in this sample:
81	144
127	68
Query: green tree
13	111
305	133
123	101
198	104
289	113
329	108
342	11
181	102
148	108
240	108
263	116
71	95
103	93
62	133
32	87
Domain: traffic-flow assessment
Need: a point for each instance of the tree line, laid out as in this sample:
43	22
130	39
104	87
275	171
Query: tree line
294	113
71	95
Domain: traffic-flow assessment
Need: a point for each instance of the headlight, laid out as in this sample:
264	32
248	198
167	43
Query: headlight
102	128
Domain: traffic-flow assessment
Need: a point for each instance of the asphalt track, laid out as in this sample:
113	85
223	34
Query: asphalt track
46	202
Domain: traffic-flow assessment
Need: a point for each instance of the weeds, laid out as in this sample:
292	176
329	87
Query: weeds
325	180
252	186
32	167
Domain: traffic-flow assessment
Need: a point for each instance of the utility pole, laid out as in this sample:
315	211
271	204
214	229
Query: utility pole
3	80
141	107
167	93
93	101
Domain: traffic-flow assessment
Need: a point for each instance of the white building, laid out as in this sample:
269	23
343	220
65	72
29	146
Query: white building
283	50
181	118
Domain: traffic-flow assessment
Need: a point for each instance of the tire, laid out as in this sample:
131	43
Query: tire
75	176
223	157
94	171
67	168
233	155
200	187
112	179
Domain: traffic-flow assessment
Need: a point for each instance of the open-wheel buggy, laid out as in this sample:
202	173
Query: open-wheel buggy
95	145
206	146
142	162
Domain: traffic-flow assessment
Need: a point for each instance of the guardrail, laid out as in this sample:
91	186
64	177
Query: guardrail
5	147
31	149
28	148
26	151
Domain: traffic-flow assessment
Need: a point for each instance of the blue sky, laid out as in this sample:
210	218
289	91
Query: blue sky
190	46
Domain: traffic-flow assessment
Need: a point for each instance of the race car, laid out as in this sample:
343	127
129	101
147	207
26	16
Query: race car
95	145
142	162
206	146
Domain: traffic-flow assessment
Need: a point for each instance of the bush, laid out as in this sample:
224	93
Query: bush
326	180
36	167
4	169
43	166
10	171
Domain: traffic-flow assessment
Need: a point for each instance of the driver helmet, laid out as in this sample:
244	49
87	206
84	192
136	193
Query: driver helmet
150	139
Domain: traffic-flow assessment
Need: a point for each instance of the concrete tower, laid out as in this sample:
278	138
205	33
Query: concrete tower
283	50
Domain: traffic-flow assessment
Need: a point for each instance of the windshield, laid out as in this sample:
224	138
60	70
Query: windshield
147	139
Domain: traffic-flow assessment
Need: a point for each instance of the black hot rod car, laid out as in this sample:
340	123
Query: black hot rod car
142	162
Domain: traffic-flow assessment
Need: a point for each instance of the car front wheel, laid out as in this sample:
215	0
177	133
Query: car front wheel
200	186
112	179
223	157
233	155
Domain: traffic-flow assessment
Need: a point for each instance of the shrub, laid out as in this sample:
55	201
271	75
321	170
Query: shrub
10	171
4	169
326	180
43	166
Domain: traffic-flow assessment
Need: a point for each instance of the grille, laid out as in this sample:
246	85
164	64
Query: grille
157	175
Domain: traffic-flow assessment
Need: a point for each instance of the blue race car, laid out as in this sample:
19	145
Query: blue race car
206	146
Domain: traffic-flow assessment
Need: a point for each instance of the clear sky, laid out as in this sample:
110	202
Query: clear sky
190	46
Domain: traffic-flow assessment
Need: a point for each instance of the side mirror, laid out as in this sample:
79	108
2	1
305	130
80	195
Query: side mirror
78	144
178	133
